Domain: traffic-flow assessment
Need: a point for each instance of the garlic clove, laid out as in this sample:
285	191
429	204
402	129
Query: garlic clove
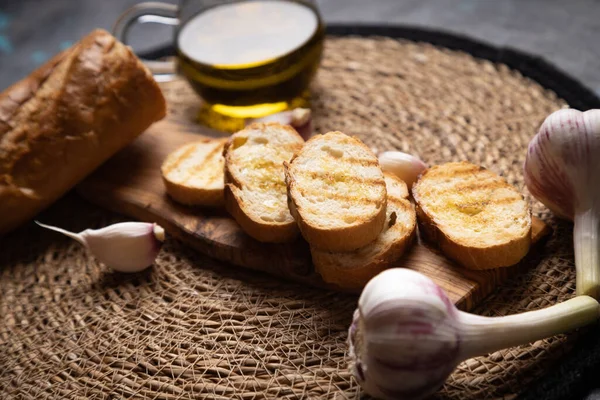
125	247
405	166
299	118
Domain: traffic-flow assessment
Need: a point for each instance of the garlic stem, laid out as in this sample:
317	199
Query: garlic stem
484	335
587	247
65	232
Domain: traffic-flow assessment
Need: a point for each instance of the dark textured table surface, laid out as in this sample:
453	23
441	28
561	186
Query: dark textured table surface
564	33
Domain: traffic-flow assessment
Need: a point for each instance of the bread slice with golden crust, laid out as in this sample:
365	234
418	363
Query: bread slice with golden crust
193	174
336	192
255	191
474	215
352	270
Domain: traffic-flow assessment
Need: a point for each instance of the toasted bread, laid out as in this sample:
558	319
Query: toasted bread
336	192
255	191
193	174
474	215
352	270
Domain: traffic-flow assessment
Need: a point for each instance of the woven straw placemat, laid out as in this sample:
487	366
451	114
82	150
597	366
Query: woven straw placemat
191	327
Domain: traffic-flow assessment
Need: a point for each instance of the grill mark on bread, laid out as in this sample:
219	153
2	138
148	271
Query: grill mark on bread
363	162
402	205
209	161
270	185
465	206
464	187
338	197
330	176
264	164
204	163
266	174
480	185
491	201
183	156
452	172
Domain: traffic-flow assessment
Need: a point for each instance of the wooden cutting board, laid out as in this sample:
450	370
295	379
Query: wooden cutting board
130	183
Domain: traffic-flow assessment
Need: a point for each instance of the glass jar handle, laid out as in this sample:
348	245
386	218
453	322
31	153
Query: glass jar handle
155	12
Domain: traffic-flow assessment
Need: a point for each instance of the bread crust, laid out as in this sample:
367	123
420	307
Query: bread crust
333	268
194	196
269	233
235	203
66	118
345	238
503	254
357	278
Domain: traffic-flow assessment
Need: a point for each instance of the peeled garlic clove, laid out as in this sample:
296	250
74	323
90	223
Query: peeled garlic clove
405	166
125	247
299	118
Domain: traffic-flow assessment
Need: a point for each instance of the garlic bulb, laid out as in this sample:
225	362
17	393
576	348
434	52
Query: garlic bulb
407	336
405	166
125	247
561	170
299	118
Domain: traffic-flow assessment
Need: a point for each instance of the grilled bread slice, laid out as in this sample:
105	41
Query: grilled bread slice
352	270
193	174
336	192
474	215
255	191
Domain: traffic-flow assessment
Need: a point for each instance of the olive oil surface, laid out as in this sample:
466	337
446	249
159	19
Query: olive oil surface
251	58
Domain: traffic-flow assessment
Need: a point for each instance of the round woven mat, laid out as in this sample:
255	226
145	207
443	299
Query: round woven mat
191	327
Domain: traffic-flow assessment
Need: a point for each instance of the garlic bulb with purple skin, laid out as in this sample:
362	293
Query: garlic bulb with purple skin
125	247
562	170
407	336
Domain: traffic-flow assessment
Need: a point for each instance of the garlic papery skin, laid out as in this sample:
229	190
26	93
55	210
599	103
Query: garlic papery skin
299	118
562	170
405	166
125	247
407	336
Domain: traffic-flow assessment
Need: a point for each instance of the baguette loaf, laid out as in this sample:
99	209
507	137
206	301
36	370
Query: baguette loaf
336	192
255	192
193	174
67	118
473	215
352	270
